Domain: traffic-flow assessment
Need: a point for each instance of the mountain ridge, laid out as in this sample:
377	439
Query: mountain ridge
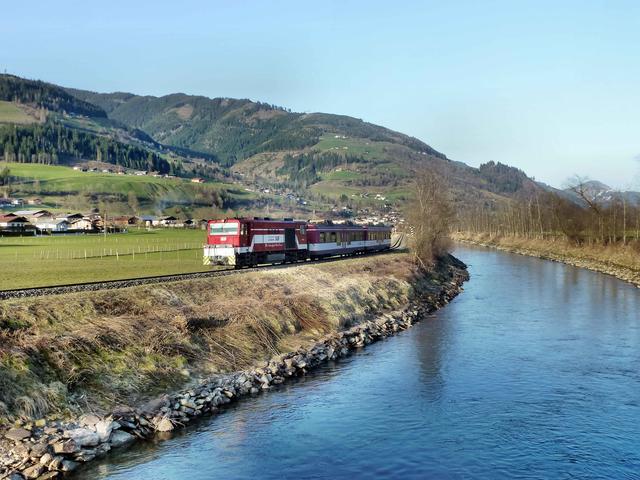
209	120
336	159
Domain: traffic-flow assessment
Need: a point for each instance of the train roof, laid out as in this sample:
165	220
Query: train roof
349	225
258	219
324	225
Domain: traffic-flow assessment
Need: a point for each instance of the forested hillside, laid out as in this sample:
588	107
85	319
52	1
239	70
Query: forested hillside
52	144
65	129
235	129
45	95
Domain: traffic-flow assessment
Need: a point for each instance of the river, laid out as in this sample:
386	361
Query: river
532	372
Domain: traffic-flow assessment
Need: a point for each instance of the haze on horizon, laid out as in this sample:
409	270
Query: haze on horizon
547	87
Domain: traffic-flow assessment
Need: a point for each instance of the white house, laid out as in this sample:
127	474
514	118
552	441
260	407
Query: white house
53	225
81	225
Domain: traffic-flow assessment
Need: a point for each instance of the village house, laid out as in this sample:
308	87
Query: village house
70	217
82	224
149	220
32	215
12	223
167	221
125	221
51	225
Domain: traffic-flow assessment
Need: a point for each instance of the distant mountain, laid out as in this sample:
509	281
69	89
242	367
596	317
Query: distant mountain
602	193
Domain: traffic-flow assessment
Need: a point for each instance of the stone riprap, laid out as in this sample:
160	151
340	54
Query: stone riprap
45	450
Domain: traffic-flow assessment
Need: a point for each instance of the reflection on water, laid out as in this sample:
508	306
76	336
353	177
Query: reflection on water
531	373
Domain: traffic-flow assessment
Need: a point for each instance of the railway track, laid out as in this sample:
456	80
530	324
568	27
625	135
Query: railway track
134	282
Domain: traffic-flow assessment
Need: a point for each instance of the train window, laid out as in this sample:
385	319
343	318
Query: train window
223	229
322	237
333	237
303	229
243	230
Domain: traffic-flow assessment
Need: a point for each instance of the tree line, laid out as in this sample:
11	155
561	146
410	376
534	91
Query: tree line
52	144
583	218
304	169
45	95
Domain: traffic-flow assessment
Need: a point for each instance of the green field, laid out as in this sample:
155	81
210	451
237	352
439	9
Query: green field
11	113
57	260
344	175
353	146
55	179
64	189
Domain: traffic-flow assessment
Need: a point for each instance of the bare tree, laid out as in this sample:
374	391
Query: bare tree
134	204
430	216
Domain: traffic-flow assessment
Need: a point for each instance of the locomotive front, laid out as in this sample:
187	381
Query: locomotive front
223	238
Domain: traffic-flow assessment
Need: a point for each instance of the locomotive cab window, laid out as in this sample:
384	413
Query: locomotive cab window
223	229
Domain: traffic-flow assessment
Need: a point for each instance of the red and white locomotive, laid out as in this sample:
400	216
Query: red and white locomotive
244	242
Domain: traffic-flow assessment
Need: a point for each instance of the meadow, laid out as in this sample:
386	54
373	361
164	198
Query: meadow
58	260
12	113
354	146
53	179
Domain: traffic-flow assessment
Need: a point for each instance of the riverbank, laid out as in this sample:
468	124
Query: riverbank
86	353
620	262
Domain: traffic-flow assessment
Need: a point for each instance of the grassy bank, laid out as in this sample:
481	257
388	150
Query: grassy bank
64	259
618	260
90	351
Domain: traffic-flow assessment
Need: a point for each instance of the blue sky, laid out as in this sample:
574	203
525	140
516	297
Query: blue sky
550	87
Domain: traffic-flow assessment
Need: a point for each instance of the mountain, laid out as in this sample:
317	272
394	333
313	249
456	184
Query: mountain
45	95
43	123
600	193
234	129
325	155
325	159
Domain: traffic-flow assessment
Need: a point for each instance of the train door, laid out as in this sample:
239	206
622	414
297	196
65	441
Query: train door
290	239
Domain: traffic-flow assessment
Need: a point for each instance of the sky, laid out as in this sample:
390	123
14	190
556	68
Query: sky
551	87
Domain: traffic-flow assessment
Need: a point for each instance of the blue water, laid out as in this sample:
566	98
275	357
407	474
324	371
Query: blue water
532	372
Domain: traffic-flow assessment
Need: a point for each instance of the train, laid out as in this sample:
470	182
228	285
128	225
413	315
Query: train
247	242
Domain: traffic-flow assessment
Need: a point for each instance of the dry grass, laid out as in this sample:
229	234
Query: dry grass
617	255
94	350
